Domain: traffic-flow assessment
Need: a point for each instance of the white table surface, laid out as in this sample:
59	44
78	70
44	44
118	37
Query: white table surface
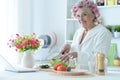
42	75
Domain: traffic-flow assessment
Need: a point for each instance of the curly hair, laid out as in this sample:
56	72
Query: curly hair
89	4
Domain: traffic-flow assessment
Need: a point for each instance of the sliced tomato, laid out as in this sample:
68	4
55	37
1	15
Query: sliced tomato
61	68
56	65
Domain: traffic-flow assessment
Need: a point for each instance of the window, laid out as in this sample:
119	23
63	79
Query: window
8	25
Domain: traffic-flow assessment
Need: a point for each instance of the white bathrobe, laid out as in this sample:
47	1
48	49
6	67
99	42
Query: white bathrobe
98	39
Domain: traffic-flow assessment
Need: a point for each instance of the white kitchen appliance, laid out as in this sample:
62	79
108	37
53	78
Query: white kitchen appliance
48	46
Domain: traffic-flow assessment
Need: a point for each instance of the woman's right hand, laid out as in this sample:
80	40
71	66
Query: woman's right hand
65	49
66	57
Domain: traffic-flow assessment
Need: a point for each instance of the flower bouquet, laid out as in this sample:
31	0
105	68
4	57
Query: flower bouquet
22	43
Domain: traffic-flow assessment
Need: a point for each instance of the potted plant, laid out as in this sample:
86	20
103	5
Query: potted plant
116	31
109	27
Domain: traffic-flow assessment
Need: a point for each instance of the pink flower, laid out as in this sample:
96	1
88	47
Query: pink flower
25	42
17	35
18	46
33	46
10	46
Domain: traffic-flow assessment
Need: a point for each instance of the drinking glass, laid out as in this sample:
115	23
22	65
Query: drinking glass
82	61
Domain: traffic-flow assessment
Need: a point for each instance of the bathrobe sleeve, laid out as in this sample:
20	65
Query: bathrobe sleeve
103	41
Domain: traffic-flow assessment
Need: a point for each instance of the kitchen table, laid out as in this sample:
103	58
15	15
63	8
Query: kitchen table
42	75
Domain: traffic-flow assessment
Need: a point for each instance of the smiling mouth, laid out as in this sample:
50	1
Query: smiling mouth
82	22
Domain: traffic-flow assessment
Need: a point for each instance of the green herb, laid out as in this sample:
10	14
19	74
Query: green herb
56	61
109	27
116	28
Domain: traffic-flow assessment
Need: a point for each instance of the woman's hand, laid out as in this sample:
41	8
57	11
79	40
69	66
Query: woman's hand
66	56
65	49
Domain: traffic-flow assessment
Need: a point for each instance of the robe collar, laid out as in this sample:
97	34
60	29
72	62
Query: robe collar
89	34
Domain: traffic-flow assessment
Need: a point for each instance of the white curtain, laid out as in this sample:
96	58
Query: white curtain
15	17
8	26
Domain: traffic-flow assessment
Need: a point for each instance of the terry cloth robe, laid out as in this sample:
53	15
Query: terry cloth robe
97	39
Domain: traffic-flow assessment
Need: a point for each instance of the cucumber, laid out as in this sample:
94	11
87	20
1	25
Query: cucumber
44	66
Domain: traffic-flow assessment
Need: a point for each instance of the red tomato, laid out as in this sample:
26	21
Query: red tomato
61	68
56	65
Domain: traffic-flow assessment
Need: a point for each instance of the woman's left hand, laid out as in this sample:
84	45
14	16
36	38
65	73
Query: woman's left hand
65	57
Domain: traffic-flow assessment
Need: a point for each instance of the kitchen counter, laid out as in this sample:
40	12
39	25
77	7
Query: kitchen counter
41	75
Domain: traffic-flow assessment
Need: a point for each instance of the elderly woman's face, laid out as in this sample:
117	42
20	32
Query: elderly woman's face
85	16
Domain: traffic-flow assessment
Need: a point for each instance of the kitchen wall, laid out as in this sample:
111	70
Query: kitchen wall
25	16
49	16
111	15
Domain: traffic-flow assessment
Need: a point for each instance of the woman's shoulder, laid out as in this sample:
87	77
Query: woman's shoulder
101	29
101	26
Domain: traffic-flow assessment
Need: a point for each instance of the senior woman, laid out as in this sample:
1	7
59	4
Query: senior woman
89	39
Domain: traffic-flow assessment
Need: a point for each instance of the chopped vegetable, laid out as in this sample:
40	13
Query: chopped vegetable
45	66
56	61
68	68
61	68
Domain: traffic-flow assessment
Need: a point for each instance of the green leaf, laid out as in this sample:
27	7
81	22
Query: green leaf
56	61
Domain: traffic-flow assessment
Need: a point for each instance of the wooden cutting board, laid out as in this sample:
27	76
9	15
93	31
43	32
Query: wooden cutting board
70	73
47	70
